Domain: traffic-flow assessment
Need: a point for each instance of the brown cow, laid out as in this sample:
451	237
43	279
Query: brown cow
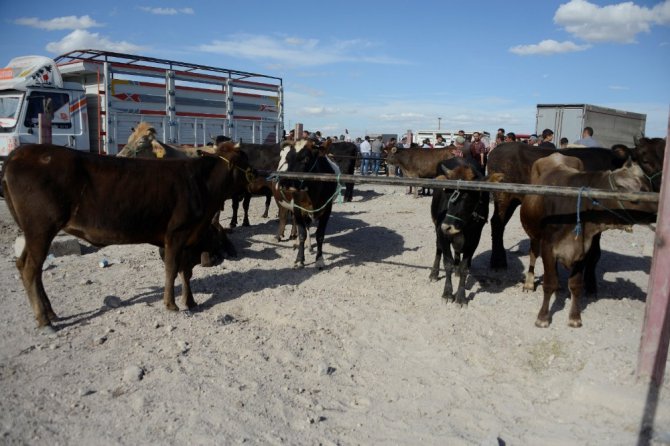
112	200
562	233
142	143
418	162
514	160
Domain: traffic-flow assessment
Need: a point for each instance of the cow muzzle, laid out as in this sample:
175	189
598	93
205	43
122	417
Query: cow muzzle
449	229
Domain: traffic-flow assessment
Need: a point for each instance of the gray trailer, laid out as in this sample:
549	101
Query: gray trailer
610	126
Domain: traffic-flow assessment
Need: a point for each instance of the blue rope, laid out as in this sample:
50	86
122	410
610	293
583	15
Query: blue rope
578	226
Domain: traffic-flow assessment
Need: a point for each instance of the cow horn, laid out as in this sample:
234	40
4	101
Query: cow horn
445	170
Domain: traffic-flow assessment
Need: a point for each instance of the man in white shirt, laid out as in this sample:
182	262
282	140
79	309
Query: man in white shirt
366	150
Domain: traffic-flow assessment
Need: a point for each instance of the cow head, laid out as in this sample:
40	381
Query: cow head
648	153
142	143
237	162
209	250
460	207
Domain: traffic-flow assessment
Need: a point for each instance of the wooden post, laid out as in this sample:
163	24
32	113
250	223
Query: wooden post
44	128
656	329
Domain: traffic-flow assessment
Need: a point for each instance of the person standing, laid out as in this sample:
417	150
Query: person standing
478	151
366	150
587	138
547	138
459	146
376	147
564	143
440	142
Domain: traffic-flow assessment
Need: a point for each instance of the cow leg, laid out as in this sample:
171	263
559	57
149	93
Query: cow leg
320	236
590	262
503	209
463	270
172	253
186	295
435	270
236	205
30	264
245	207
448	293
294	227
576	286
529	284
349	192
302	235
283	216
549	285
268	200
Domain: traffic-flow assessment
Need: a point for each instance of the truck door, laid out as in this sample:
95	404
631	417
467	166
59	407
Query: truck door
61	124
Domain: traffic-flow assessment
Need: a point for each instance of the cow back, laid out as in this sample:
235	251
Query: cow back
110	200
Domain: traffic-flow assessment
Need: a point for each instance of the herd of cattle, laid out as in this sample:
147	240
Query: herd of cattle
174	203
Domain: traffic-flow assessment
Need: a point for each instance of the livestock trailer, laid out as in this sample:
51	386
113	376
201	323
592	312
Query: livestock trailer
610	126
96	97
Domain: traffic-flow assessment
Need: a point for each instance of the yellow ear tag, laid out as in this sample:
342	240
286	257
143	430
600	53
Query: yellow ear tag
159	152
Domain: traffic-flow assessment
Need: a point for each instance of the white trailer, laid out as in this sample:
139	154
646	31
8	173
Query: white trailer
97	97
610	126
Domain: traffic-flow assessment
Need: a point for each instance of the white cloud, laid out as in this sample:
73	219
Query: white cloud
294	51
618	87
547	47
59	23
167	11
83	39
619	23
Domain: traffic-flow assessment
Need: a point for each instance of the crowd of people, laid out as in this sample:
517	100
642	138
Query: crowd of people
476	148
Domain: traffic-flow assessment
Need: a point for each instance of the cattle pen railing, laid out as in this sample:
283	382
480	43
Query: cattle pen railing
514	188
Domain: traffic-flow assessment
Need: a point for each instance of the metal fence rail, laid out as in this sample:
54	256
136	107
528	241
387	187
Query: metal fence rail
515	188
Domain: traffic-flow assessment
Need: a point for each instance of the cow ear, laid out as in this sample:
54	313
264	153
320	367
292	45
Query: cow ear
495	178
394	150
447	172
621	152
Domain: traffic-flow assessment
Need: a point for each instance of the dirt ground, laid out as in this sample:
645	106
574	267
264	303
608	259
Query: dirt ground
363	352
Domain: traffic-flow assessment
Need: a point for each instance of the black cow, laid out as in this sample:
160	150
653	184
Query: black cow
344	155
304	156
112	200
459	217
264	158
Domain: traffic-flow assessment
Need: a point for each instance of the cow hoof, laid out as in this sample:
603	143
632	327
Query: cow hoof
320	264
53	317
172	307
246	223
540	323
449	298
47	330
575	323
233	225
298	265
433	277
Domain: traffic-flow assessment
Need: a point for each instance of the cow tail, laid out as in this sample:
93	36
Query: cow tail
2	178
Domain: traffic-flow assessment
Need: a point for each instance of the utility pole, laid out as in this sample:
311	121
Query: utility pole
439	120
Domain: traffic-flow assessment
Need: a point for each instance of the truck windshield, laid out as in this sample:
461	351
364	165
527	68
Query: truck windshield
9	110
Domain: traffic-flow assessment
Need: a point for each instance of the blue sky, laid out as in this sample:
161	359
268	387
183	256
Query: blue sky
388	66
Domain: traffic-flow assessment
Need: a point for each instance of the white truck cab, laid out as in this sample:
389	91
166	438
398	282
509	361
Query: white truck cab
27	86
